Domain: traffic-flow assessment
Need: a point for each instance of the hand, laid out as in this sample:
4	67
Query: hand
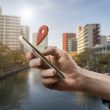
60	58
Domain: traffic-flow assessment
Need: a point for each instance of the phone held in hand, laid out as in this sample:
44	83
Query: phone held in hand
37	53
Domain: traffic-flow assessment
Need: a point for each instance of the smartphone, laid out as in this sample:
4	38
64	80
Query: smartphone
37	53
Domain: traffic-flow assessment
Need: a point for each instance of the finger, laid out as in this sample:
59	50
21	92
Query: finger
36	62
30	55
49	82
48	73
53	51
64	85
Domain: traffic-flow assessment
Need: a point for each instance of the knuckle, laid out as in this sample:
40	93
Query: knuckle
46	82
52	72
38	61
29	55
64	52
49	81
33	63
52	75
43	73
47	73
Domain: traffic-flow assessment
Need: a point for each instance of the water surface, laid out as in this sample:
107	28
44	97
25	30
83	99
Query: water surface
24	91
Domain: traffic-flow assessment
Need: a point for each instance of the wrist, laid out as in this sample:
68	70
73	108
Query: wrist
84	77
89	79
80	79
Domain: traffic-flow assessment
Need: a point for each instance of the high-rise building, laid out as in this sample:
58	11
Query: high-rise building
69	42
10	30
88	36
42	45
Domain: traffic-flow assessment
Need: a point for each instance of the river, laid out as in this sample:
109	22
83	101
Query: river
24	91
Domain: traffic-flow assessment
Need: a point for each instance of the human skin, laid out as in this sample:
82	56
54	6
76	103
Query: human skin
76	78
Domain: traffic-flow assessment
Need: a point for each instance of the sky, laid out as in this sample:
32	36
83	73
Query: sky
59	15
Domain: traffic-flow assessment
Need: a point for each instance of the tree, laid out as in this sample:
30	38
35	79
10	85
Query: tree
86	58
19	57
104	63
6	57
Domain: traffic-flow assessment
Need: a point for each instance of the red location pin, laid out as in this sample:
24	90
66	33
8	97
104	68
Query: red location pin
42	33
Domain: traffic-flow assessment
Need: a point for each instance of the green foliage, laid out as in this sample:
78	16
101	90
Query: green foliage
85	58
104	62
6	57
93	62
19	57
9	58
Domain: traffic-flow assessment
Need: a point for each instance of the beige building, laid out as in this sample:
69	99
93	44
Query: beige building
10	29
88	36
42	45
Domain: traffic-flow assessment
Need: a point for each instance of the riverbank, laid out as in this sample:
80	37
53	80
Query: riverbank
12	71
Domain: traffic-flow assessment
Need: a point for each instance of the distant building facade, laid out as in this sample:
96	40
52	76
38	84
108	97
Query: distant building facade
103	40
101	50
69	42
10	30
88	36
24	31
108	39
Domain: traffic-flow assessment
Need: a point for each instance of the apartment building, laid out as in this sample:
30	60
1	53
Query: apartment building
69	42
88	36
10	30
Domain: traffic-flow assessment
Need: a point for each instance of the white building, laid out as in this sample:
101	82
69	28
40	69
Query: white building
88	36
42	45
10	30
102	49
